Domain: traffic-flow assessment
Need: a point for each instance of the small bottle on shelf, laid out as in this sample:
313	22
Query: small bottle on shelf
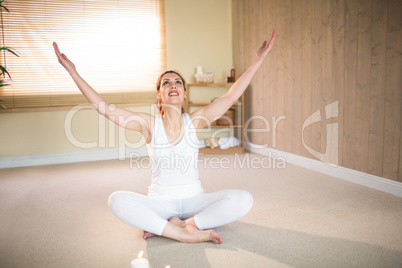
233	74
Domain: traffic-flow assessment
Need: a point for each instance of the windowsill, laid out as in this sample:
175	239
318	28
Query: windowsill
66	101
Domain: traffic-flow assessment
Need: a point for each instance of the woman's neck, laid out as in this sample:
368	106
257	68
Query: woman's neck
172	117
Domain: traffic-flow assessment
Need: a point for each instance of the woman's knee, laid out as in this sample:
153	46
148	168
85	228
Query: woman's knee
116	200
243	200
247	199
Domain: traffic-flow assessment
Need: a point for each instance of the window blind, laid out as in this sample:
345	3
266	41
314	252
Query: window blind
118	46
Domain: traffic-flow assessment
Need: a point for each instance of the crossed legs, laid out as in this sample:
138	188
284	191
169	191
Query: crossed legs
181	219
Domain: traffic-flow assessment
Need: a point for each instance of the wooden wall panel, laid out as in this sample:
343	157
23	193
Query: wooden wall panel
280	71
288	74
242	40
296	95
327	51
259	96
253	88
377	93
269	70
363	84
349	107
393	90
316	73
339	68
327	86
400	150
306	77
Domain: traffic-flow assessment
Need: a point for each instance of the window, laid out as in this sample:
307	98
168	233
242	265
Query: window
118	46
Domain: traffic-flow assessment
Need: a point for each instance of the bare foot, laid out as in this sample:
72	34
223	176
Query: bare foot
193	235
191	221
148	235
175	220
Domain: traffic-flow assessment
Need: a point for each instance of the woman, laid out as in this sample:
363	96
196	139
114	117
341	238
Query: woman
176	206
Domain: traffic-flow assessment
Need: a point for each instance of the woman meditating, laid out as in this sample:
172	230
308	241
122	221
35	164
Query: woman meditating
176	205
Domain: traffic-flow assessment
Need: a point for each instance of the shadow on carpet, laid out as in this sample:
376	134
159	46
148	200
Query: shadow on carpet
292	248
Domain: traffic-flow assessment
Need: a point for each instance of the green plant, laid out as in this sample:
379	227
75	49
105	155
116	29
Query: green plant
3	67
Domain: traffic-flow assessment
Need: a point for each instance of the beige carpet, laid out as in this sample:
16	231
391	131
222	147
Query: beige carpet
57	216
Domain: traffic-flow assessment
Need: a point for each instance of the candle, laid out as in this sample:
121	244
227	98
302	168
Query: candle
140	262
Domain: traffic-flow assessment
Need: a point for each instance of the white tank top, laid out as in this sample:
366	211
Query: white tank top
174	167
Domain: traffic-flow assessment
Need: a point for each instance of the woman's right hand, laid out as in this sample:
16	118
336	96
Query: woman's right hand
266	47
67	64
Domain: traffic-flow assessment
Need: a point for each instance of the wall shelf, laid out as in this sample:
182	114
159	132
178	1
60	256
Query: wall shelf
236	130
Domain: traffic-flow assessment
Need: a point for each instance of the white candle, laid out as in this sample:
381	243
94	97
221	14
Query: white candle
140	262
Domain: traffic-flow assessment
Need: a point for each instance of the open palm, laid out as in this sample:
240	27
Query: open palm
63	60
266	47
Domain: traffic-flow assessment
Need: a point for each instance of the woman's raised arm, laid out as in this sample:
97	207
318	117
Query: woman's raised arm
135	121
215	110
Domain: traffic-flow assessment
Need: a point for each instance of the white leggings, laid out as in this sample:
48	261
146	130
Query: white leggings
209	210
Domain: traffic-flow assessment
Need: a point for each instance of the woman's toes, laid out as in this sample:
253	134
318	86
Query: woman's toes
148	235
216	238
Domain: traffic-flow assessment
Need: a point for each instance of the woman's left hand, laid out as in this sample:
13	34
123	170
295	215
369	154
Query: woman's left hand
63	60
266	47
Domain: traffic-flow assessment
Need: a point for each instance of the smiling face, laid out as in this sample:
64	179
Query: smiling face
171	90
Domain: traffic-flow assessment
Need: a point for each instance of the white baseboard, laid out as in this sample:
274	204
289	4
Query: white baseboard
71	157
361	178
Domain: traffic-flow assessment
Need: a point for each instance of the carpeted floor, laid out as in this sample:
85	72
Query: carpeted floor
57	216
